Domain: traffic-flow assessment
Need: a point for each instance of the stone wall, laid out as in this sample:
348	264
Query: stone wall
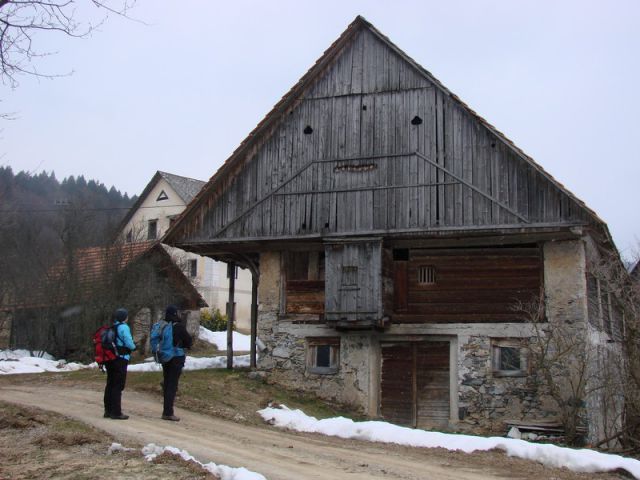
485	400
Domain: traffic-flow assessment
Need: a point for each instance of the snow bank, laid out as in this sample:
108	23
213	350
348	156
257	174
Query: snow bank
152	450
241	342
582	460
191	363
21	361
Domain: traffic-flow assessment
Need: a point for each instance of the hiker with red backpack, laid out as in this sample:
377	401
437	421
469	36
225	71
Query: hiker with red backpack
117	367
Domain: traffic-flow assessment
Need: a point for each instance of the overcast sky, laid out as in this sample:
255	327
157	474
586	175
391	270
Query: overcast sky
181	90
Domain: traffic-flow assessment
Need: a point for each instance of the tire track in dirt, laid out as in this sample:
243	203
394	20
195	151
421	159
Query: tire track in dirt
276	454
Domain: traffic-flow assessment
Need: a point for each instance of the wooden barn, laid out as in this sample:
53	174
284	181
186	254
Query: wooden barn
398	244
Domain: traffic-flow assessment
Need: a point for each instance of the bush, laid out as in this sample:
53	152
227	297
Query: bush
213	320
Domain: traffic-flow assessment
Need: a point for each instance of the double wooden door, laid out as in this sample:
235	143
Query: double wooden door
414	384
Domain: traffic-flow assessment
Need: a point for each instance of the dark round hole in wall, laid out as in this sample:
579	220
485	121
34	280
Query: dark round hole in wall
308	130
364	107
416	120
493	145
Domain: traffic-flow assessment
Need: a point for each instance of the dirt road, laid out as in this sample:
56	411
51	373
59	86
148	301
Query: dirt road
276	454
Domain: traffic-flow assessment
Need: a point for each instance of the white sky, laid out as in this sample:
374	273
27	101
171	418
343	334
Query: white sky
180	93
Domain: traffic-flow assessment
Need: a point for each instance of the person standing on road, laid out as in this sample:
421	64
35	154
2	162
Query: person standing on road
172	368
117	368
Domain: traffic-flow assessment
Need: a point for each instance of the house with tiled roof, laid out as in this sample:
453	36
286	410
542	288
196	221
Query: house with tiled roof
160	203
81	291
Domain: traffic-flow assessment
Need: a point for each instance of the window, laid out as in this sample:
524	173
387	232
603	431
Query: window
152	231
129	238
162	196
508	358
323	355
193	267
349	275
426	275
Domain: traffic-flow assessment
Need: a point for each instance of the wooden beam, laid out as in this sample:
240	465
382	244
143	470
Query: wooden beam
231	312
254	319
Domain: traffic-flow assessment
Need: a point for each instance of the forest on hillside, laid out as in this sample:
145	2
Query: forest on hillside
42	218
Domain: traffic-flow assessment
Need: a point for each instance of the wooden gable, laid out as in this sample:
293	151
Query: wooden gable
368	142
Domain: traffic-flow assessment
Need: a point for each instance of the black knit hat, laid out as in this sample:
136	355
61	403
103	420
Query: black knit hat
120	315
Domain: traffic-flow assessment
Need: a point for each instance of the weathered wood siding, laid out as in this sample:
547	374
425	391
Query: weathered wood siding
353	283
369	164
472	285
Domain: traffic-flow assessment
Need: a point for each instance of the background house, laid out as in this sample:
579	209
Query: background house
162	201
81	292
411	260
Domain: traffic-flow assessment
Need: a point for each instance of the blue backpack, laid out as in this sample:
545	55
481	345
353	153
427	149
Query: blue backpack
162	341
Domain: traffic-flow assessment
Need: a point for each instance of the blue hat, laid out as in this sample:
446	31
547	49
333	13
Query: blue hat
120	315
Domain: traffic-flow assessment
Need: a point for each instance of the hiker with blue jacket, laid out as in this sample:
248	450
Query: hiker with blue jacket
172	367
117	368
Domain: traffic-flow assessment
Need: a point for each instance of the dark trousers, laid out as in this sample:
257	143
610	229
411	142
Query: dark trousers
171	371
116	380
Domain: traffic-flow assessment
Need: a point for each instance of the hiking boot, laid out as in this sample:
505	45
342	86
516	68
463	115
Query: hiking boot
119	417
171	418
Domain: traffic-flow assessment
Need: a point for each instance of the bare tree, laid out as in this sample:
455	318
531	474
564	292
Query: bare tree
22	22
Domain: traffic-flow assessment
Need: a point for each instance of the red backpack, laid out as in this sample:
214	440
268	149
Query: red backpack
104	345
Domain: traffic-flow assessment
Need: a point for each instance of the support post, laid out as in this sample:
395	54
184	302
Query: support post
254	320
231	312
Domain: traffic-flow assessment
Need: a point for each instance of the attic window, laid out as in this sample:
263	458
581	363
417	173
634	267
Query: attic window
416	120
308	130
426	275
163	196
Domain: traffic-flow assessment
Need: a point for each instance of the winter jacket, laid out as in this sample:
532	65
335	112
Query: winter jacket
124	339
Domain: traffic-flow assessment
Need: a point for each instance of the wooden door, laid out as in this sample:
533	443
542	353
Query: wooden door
414	384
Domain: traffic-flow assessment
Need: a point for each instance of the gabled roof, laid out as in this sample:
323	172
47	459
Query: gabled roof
276	116
186	188
93	265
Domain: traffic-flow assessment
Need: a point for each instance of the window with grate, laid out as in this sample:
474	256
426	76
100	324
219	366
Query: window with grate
426	275
508	358
349	275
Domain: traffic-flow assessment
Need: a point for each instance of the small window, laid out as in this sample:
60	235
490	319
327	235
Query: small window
426	275
152	231
323	355
162	196
508	358
129	238
349	275
172	220
193	267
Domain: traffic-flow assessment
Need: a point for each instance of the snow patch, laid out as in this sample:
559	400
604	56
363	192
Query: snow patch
241	342
578	460
151	451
